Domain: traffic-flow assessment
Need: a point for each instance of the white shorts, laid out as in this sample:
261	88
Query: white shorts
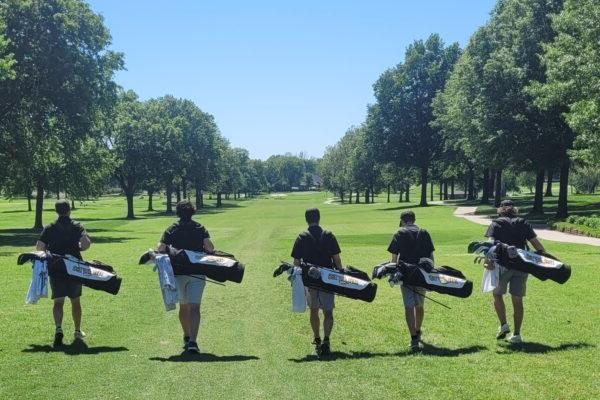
190	288
412	296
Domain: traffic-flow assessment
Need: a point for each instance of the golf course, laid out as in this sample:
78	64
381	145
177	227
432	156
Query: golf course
254	347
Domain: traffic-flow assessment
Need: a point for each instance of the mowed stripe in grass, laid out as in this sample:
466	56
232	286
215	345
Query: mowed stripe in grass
260	349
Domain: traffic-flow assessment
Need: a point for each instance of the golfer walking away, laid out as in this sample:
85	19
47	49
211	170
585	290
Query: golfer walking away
187	234
410	244
319	247
65	237
513	231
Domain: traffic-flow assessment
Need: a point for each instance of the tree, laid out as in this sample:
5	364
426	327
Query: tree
404	97
62	78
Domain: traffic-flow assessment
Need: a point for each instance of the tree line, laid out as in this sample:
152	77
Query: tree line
521	97
67	127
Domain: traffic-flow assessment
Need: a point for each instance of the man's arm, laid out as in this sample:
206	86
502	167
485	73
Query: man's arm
85	242
209	247
395	258
40	246
297	262
537	245
161	247
337	260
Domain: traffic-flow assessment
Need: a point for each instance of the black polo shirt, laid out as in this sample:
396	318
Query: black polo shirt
62	237
511	231
316	246
411	243
186	235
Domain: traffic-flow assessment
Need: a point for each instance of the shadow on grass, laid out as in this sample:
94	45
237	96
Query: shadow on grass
540	348
427	350
203	357
19	237
405	207
74	349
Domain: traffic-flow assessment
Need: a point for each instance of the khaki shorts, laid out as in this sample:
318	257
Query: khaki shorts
318	299
514	281
190	288
412	296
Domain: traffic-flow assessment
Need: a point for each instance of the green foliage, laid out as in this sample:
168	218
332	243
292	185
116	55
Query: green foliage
586	179
591	221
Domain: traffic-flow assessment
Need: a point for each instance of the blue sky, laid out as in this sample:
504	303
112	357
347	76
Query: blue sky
279	76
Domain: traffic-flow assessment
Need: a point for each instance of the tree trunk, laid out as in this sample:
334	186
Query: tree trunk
485	196
471	184
39	206
407	193
367	196
150	193
563	206
342	196
29	201
184	188
498	194
178	193
491	192
357	198
441	191
431	191
401	196
549	184
72	204
389	191
350	197
445	190
219	200
129	196
169	194
199	197
538	200
424	170
452	189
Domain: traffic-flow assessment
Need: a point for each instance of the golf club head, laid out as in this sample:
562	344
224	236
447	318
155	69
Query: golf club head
146	257
478	247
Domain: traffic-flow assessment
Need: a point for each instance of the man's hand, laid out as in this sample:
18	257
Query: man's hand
489	265
337	261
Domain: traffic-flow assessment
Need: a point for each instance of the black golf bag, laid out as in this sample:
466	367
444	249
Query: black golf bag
350	282
444	280
218	266
542	266
95	274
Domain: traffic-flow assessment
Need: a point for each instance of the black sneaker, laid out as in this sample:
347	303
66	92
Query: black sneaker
186	340
414	346
58	338
317	343
192	348
325	348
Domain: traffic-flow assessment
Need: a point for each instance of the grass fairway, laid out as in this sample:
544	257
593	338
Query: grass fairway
260	350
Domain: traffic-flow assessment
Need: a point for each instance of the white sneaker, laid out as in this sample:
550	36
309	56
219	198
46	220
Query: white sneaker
515	339
502	331
79	335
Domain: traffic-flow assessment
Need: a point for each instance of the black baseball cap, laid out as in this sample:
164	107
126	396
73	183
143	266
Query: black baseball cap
507	203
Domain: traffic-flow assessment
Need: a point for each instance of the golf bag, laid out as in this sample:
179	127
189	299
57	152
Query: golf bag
94	275
542	266
444	280
350	282
218	266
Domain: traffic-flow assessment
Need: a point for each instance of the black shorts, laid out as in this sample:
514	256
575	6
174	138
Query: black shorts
64	288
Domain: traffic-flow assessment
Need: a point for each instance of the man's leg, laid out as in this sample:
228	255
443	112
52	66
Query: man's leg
419	315
193	321
57	311
315	322
518	313
184	318
76	312
500	308
410	314
327	322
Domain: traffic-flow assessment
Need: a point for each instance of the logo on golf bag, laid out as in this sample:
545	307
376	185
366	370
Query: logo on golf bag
333	278
85	271
443	280
202	258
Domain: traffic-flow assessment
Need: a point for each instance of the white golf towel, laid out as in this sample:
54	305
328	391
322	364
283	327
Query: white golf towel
166	280
298	292
490	279
38	287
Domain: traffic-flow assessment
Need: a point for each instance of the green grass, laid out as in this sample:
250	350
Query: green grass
260	349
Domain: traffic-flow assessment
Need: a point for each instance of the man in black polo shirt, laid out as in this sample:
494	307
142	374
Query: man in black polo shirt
65	237
410	244
513	231
187	234
319	247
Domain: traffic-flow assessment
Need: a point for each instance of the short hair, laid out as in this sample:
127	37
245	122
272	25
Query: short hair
408	217
62	207
185	209
312	215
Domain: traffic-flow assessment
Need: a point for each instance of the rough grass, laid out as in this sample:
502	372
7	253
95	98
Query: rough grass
258	349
